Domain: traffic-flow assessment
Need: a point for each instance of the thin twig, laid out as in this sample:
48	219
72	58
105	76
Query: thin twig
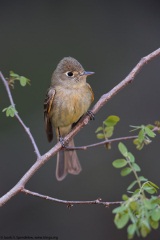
36	150
101	143
70	203
43	159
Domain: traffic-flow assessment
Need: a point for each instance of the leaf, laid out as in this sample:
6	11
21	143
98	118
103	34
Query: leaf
119	209
100	136
155	215
153	184
10	111
122	148
98	129
108	131
131	157
154	224
136	167
141	136
148	188
131	185
121	220
111	121
12	74
119	163
143	179
149	132
126	171
124	197
131	229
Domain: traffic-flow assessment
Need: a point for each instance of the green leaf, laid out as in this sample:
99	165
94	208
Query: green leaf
12	74
155	215
98	129
131	229
119	163
111	121
119	209
136	167
149	132
148	188
123	149
126	171
154	224
153	184
132	185
141	136
143	179
121	220
124	197
131	157
100	136
23	81
108	131
10	111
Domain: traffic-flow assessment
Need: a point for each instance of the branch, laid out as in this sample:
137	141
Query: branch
36	150
70	203
101	143
43	159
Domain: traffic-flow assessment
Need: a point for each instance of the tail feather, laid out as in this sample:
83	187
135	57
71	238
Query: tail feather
67	162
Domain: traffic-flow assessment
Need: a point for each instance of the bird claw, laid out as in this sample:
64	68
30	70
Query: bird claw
91	115
61	139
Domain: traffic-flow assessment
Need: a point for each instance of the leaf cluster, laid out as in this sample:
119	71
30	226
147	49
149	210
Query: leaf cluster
106	130
15	77
144	135
140	212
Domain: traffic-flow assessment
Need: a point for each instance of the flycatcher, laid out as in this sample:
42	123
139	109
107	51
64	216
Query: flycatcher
67	100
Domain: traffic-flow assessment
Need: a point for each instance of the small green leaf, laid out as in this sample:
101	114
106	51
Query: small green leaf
143	179
121	220
119	209
119	163
10	111
148	188
108	131
141	136
98	129
132	185
149	132
124	197
154	224
153	184
123	149
100	136
136	167
131	229
12	74
126	171
23	81
111	121
131	157
155	215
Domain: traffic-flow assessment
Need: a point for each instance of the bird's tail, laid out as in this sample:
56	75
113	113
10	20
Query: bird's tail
67	162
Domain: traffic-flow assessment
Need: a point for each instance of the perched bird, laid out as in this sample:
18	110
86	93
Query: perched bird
67	100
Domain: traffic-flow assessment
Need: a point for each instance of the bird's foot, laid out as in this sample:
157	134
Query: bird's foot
91	115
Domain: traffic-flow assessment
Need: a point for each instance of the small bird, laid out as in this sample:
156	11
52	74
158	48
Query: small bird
67	100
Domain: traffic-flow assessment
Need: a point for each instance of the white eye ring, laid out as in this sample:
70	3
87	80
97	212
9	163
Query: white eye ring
69	74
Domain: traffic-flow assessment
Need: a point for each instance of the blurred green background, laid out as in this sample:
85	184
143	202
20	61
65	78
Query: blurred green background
109	38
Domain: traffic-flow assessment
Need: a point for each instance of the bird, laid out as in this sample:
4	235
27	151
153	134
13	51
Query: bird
67	100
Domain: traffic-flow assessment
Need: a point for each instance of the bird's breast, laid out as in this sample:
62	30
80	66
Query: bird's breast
70	104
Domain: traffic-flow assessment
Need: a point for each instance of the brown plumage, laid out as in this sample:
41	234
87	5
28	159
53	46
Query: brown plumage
67	99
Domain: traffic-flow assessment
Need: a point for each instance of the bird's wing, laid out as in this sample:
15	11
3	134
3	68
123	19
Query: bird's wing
47	109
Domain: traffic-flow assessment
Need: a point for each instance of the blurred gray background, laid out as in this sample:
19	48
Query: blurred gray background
109	38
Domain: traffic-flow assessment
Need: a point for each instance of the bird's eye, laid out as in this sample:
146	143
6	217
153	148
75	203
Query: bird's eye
69	74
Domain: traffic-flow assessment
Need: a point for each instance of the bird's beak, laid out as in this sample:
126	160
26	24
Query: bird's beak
86	73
